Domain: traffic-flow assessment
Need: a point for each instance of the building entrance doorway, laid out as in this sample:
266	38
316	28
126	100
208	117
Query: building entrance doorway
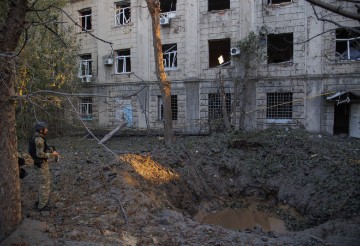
341	118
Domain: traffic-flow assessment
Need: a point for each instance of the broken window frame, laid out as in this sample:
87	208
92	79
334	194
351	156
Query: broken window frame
215	5
86	108
123	57
217	48
215	105
122	13
352	44
279	51
170	56
85	67
174	108
85	20
279	107
278	1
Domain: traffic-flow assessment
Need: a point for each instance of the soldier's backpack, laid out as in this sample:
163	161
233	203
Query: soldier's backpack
32	148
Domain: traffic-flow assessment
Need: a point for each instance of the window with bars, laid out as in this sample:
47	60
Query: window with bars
279	47
170	56
215	105
347	45
86	108
122	13
279	105
122	61
85	70
174	107
85	20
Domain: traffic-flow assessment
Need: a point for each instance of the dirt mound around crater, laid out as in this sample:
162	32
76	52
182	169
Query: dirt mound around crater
152	194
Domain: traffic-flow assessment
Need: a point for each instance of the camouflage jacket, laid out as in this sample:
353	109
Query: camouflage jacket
42	151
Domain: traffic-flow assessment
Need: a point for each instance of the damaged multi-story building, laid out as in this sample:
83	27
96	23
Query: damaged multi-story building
305	71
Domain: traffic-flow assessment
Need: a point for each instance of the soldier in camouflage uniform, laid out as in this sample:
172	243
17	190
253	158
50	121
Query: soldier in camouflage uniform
41	162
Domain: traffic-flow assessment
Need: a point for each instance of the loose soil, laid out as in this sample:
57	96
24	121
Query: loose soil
272	187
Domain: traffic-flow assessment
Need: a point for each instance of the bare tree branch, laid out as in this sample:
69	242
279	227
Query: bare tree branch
350	1
51	30
72	20
335	9
334	22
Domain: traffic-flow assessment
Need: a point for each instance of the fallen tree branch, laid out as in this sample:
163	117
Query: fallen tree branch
196	171
110	134
122	209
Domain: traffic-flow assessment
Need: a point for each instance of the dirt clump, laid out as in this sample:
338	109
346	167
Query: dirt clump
144	193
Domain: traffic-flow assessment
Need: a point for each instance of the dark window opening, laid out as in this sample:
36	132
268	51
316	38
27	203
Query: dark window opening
122	61
174	107
215	105
278	1
218	4
167	6
347	45
280	47
279	105
341	119
85	19
219	48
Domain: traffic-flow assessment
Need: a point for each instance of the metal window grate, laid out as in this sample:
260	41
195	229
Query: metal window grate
279	105
215	105
174	107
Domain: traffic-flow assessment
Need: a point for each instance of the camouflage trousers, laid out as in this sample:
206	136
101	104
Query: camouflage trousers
44	182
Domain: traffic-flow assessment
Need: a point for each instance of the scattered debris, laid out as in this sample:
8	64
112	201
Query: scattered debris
153	194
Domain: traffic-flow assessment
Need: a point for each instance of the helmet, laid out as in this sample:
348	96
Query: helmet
40	125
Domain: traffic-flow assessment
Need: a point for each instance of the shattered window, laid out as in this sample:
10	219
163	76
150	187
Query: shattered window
169	56
85	70
122	13
215	105
279	47
85	20
347	45
174	107
167	6
278	1
279	105
219	52
122	61
218	5
86	109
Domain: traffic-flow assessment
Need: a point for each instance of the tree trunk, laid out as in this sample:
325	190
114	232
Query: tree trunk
10	202
234	104
243	104
223	103
165	86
